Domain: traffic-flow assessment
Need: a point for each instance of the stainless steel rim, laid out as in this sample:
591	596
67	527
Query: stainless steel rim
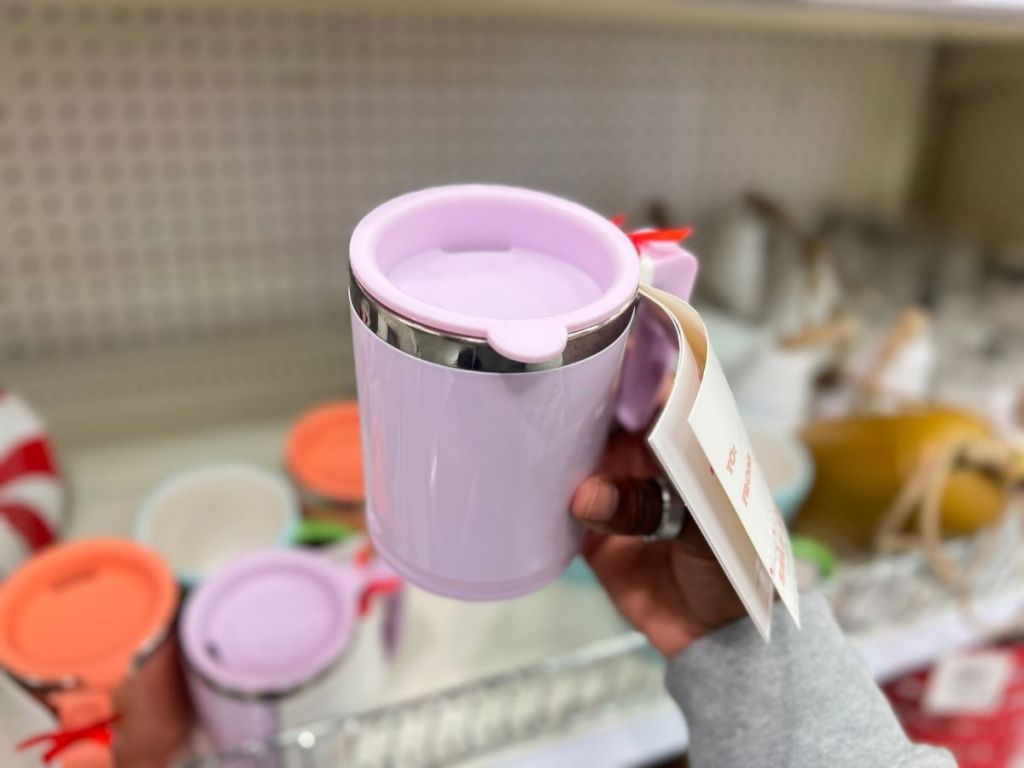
265	696
67	682
474	354
314	499
673	513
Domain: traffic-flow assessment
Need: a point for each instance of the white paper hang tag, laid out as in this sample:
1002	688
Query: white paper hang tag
716	422
676	448
701	443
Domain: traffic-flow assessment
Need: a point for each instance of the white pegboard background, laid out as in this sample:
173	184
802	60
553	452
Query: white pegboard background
981	181
175	174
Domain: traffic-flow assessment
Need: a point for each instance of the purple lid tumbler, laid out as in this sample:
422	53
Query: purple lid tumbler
489	328
258	637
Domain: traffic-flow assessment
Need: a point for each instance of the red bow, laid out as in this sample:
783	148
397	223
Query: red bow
386	585
640	237
101	732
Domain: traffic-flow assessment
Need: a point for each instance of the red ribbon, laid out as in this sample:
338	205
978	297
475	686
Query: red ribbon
101	732
643	236
386	585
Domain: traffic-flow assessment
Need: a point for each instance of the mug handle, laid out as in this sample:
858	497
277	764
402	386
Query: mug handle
380	582
651	349
377	587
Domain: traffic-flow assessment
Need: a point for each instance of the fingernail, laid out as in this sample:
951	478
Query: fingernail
601	504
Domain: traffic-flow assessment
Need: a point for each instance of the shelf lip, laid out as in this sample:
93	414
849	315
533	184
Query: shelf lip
890	652
656	733
647	733
903	19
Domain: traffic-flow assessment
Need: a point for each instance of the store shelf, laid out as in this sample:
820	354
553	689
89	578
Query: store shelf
937	19
562	708
168	386
940	19
642	738
901	617
625	722
897	616
450	646
899	649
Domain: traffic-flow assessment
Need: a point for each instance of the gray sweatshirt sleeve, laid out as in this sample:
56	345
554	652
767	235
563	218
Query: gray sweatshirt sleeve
805	700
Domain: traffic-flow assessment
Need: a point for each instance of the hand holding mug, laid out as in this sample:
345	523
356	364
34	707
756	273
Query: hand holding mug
673	591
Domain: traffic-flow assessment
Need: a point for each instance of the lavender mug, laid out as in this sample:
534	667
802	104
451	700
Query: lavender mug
490	325
279	638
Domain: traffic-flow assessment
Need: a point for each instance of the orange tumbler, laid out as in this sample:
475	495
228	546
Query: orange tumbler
324	460
88	628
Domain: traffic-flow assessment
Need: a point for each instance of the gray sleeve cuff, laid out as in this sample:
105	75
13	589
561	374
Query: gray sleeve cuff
804	699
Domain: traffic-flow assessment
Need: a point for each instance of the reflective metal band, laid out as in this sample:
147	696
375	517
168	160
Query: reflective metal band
264	696
53	685
673	513
310	498
474	354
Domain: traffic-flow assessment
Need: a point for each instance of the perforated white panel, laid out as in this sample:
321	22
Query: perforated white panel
172	172
981	180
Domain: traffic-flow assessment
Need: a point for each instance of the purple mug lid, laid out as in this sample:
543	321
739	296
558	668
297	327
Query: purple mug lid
270	621
519	268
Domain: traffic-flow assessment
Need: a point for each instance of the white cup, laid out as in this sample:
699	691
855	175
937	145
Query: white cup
204	517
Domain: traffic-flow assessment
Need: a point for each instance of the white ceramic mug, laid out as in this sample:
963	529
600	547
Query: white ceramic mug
206	516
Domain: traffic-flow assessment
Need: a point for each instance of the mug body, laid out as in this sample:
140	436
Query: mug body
156	712
469	475
229	720
325	464
489	327
264	639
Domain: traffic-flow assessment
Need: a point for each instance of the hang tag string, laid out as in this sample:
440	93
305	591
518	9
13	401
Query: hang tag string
640	237
101	732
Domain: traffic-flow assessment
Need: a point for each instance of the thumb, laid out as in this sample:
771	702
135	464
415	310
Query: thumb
627	506
630	506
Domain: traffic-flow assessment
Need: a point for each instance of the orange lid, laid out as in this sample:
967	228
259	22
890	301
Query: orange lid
84	611
323	453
